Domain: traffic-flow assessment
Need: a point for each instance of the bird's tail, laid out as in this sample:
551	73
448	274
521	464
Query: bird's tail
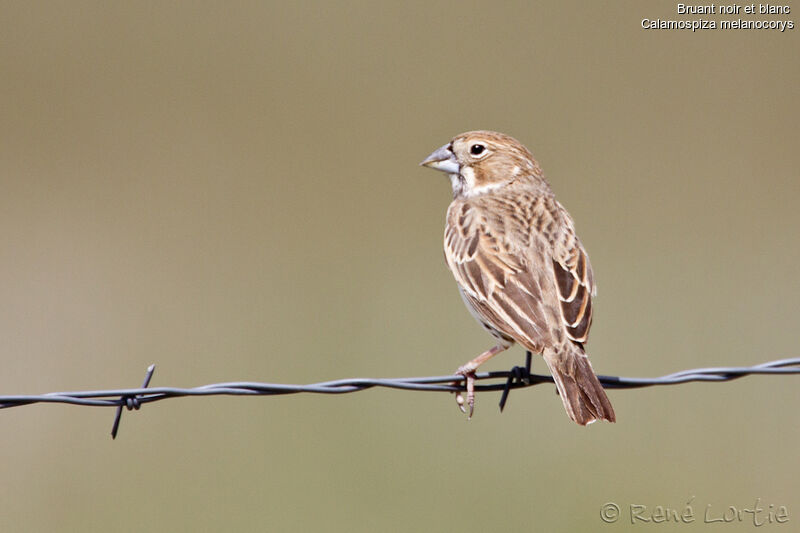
584	398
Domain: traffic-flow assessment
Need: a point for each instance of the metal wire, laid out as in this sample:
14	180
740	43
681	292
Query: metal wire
516	378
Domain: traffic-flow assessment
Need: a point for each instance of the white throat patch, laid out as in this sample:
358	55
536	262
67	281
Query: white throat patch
464	184
469	184
469	178
475	191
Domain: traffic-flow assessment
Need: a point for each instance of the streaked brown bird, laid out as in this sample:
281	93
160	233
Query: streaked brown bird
520	268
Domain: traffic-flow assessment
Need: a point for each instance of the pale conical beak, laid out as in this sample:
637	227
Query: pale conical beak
442	159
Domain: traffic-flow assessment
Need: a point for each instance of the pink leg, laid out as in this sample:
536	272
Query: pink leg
468	371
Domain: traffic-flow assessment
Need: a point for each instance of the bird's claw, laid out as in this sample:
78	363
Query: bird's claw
469	378
460	402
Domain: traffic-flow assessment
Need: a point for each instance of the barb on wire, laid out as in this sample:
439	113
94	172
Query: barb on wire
131	402
516	378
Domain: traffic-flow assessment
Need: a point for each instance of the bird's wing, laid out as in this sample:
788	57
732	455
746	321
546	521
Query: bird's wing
574	280
505	283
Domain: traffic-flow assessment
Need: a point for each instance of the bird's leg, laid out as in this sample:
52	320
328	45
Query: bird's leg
468	371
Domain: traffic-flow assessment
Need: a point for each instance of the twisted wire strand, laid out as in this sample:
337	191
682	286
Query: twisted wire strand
517	377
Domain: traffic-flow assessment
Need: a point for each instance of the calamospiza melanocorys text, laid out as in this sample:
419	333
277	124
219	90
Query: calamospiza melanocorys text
520	267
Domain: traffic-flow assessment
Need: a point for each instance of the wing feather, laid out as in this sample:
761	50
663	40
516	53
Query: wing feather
574	280
496	279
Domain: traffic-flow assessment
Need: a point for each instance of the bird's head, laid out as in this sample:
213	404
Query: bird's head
482	161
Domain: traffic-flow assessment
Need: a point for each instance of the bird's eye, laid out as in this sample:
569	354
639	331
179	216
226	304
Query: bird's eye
477	149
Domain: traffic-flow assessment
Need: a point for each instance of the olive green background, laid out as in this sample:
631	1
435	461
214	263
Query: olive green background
231	191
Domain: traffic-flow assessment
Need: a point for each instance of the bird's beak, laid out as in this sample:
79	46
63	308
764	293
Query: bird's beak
442	159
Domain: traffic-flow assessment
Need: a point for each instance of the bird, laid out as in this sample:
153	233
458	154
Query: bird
519	265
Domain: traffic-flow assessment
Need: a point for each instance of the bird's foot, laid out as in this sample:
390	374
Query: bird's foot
468	371
469	379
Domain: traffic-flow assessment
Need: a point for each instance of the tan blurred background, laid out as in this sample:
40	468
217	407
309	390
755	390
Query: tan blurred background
231	191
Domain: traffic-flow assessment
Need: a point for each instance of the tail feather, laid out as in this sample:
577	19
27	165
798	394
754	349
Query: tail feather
584	398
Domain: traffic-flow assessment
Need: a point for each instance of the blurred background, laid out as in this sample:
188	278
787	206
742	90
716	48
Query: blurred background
231	191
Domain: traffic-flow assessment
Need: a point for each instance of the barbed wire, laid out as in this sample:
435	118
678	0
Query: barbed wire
516	378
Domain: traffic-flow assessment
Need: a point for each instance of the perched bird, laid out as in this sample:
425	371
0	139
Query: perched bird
520	268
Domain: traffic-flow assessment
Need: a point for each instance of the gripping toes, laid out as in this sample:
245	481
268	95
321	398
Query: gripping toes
469	378
468	371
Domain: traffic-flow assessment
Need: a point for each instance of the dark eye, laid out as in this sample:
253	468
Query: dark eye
477	149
